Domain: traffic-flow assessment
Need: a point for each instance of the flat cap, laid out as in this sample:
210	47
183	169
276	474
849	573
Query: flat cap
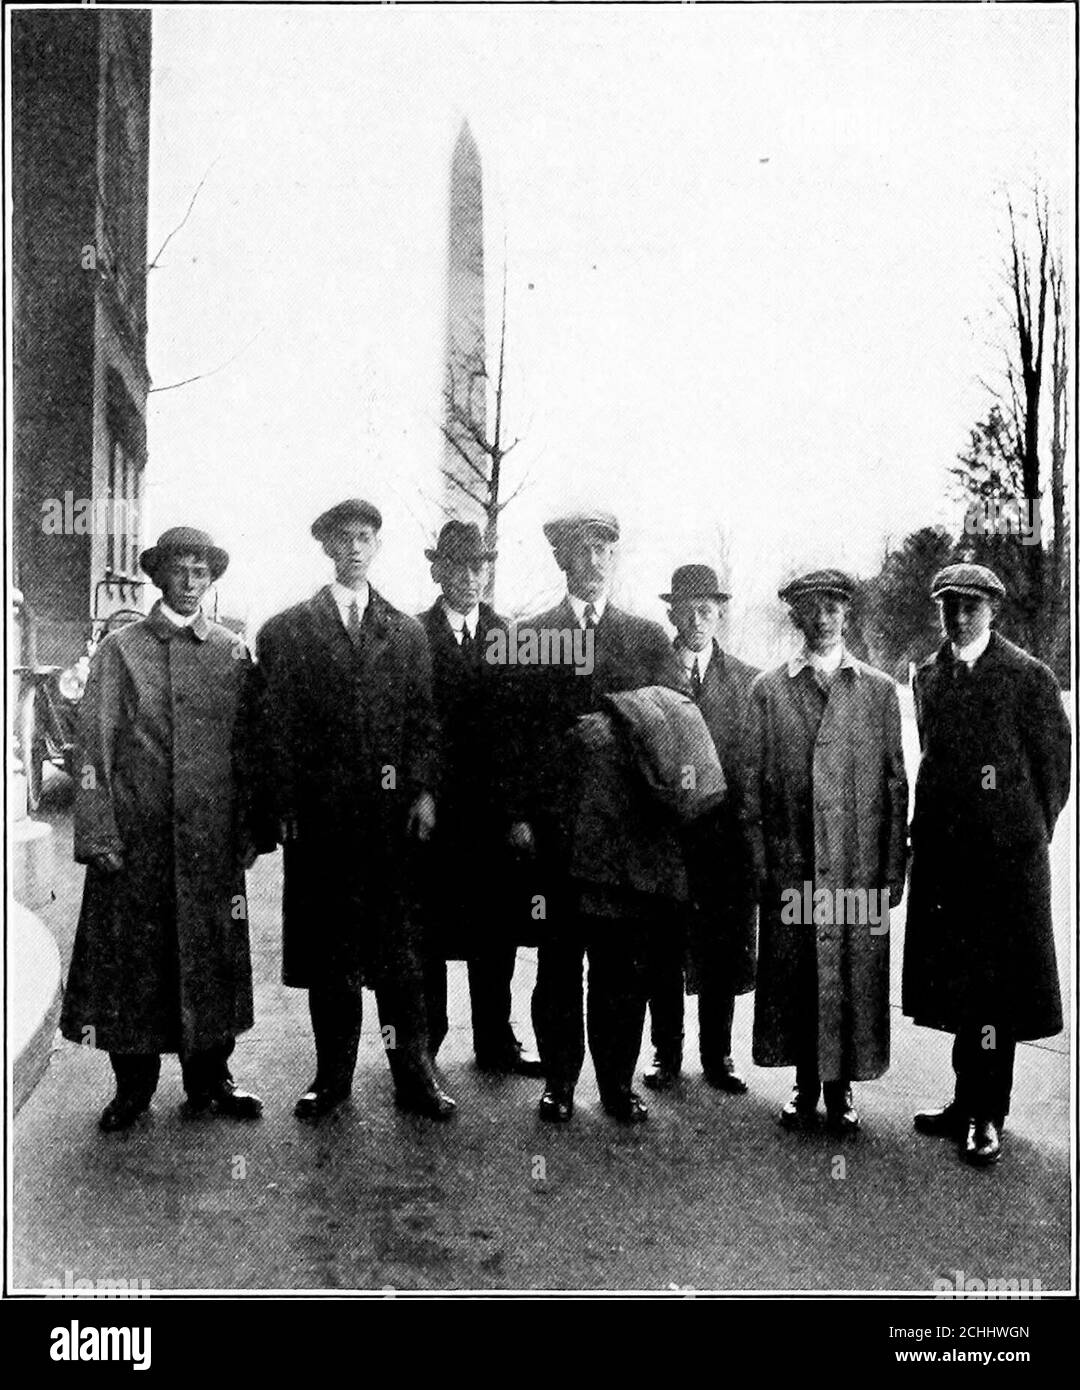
460	540
184	540
830	581
976	581
352	509
562	528
694	581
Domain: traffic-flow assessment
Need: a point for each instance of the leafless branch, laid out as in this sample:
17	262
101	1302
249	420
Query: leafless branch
203	376
154	263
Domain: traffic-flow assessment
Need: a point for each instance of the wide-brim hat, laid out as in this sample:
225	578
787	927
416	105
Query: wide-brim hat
339	515
580	523
460	540
974	581
695	581
184	540
828	581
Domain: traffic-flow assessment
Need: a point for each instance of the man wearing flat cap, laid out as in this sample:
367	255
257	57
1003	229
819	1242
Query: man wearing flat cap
979	957
825	805
628	653
351	751
164	822
466	915
721	944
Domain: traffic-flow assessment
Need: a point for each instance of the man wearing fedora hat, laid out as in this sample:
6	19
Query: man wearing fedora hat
721	945
629	653
824	800
979	957
465	901
165	823
351	749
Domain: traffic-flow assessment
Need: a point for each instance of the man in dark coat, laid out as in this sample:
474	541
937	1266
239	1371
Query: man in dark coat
466	912
824	798
722	937
623	653
163	821
979	956
351	753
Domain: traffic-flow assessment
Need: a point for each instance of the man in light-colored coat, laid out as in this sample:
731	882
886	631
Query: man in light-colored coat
163	821
825	806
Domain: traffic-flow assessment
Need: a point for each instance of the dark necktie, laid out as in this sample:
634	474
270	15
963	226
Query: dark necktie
695	679
352	627
590	615
466	643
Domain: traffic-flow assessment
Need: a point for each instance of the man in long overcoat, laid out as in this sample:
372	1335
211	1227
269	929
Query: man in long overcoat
979	957
825	804
163	822
626	653
722	945
351	747
465	903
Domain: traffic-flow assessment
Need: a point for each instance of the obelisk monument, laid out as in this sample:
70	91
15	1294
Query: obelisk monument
465	390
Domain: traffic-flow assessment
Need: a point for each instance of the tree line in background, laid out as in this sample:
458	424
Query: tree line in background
1001	481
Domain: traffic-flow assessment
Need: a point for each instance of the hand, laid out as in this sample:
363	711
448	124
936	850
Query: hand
108	863
521	837
246	855
896	894
422	817
287	830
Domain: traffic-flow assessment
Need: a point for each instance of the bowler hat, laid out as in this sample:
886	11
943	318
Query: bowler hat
976	581
830	581
694	581
352	509
562	528
460	540
184	540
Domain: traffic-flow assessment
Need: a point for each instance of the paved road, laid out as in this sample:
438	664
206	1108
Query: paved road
709	1195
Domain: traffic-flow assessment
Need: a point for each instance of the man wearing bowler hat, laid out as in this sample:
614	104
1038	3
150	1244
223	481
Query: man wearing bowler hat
721	948
824	800
165	823
352	745
979	957
628	653
465	903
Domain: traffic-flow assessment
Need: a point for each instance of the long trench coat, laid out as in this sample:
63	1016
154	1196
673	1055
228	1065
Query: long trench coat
994	776
161	961
351	740
824	805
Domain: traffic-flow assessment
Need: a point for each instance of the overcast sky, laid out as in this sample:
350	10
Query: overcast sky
754	256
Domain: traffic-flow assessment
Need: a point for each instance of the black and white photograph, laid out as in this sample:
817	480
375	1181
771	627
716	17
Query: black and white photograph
541	660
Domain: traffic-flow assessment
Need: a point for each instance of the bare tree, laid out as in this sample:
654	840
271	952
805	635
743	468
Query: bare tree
1059	426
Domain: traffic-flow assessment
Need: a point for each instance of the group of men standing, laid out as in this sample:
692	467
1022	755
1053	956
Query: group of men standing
638	813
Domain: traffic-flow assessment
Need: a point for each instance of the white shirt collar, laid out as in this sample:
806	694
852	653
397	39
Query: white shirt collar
971	653
837	658
687	657
178	619
579	605
345	598
458	620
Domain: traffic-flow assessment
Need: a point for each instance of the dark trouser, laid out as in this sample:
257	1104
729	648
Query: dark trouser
137	1072
337	1015
984	1075
807	1078
490	976
618	991
716	1009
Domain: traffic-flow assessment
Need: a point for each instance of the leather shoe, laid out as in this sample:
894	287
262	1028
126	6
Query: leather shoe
726	1078
433	1103
799	1113
628	1108
122	1112
557	1104
515	1062
946	1123
982	1144
318	1101
226	1099
663	1074
841	1117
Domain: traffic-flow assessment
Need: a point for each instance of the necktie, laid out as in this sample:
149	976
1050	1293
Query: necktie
352	627
466	641
695	679
590	615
